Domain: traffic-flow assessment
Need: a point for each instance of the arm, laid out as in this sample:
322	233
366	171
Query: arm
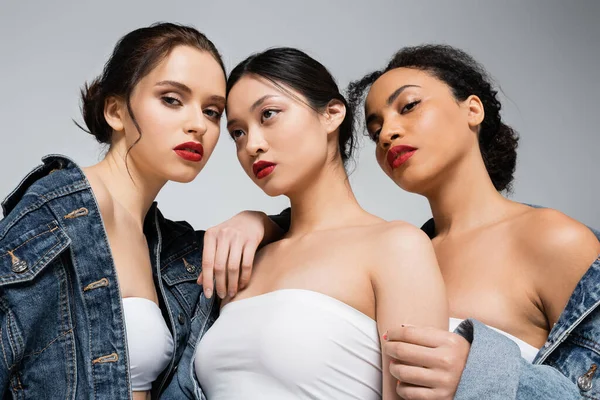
408	286
229	249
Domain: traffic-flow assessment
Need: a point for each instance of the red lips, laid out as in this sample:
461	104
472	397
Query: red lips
190	151
262	169
398	155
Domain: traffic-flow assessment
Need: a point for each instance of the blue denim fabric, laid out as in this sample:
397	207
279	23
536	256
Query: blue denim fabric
185	385
62	331
495	370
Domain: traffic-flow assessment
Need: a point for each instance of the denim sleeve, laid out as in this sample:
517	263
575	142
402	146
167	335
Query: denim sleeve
495	370
283	219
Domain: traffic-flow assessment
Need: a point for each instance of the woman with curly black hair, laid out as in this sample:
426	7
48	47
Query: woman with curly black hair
524	272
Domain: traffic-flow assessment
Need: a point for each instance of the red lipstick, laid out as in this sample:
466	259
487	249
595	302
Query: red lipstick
398	155
263	169
190	151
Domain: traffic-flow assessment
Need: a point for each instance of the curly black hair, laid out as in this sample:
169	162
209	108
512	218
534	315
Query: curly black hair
465	76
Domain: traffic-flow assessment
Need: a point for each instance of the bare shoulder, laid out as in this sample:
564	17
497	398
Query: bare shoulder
399	235
548	231
553	239
399	246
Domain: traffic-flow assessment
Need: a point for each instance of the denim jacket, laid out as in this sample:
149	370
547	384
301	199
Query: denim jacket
62	331
565	368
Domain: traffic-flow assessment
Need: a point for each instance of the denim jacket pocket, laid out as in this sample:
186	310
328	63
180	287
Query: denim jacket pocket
23	258
181	276
35	291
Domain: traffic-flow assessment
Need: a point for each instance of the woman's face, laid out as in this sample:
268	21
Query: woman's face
178	108
282	143
421	131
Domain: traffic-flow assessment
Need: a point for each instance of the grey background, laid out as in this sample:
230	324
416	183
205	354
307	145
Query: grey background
544	54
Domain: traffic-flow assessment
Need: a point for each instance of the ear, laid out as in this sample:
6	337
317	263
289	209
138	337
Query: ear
334	115
475	111
114	111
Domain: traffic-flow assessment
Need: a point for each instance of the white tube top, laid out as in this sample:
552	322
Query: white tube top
149	341
290	344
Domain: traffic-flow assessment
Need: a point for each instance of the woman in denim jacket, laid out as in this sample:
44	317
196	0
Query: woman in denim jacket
528	274
97	288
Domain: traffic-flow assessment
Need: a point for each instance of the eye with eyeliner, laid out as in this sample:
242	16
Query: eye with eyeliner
213	114
171	100
375	135
268	114
234	132
409	106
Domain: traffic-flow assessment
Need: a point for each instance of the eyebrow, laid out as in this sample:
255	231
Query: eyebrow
220	100
391	99
178	85
397	93
258	102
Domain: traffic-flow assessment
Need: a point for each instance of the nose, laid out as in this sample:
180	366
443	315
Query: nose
256	143
388	135
195	123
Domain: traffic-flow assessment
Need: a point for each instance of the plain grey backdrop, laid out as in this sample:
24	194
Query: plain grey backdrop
545	55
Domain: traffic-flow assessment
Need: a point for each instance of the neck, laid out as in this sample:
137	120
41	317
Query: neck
325	202
132	189
465	198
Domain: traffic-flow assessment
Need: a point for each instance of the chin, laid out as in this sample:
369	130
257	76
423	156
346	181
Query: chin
412	183
272	189
184	176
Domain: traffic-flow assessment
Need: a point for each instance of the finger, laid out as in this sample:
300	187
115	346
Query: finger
421	336
413	375
411	392
220	265
233	266
247	262
200	279
208	263
411	354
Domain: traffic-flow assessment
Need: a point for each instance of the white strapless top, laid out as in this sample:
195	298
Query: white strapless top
149	341
528	352
290	344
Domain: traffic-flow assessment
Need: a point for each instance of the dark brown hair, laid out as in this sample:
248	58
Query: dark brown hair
134	56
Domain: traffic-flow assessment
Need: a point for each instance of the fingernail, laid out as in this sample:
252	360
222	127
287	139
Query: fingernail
221	295
385	336
208	293
231	293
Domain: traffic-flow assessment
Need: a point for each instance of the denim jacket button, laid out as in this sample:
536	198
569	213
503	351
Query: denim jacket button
181	318
585	381
191	268
18	266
